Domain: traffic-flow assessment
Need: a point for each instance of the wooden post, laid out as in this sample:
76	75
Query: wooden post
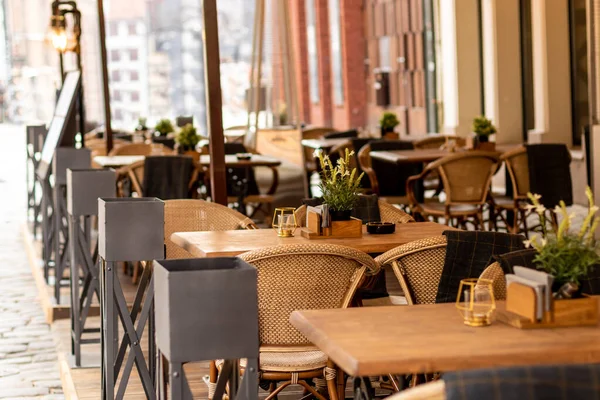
212	76
105	89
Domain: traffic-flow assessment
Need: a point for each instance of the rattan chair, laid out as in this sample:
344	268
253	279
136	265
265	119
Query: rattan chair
467	178
135	173
366	164
302	277
198	215
435	141
495	273
518	169
310	163
418	267
388	213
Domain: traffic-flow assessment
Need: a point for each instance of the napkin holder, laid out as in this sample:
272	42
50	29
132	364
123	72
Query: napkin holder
351	228
521	305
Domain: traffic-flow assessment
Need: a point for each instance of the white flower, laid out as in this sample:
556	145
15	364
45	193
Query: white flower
527	243
540	209
317	153
537	196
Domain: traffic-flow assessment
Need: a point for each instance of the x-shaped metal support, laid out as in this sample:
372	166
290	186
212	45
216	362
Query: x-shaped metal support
61	244
83	262
363	390
114	308
48	227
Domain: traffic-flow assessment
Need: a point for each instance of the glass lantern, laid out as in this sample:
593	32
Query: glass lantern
475	301
284	221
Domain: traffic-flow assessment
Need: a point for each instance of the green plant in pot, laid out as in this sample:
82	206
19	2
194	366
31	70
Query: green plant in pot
141	126
339	185
388	122
164	127
187	138
567	256
483	129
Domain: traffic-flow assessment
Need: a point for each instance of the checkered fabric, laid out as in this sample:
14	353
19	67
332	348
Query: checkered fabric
521	258
562	382
468	253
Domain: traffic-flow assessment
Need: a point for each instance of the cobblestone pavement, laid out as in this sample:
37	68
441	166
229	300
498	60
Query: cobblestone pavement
28	361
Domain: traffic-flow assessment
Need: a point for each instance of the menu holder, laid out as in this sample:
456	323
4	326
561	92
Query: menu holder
521	306
351	228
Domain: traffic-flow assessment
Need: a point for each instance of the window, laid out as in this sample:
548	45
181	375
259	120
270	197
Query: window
133	55
134	76
313	60
115	55
114	28
132	28
384	53
135	96
117	95
118	114
115	76
336	51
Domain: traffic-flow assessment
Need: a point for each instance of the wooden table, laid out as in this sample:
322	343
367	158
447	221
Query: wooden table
232	161
325	144
233	243
429	338
425	155
116	161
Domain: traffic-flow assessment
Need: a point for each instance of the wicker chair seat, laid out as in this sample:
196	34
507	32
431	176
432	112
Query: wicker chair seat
436	208
292	361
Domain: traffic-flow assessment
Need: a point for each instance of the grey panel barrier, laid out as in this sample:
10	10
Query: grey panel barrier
207	309
84	187
129	229
64	157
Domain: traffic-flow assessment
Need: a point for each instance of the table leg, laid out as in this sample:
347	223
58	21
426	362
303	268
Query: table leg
363	389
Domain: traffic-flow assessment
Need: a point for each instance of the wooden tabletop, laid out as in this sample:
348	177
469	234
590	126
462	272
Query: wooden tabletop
116	161
424	155
324	144
233	243
375	341
255	161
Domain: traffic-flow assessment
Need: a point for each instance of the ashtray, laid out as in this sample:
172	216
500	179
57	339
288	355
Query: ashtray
244	156
381	228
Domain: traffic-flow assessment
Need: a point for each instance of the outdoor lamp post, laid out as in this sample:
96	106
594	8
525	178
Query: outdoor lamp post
68	41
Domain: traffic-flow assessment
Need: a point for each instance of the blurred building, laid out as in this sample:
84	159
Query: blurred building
127	51
33	69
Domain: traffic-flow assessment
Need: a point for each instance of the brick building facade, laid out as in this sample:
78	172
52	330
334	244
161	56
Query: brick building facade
374	36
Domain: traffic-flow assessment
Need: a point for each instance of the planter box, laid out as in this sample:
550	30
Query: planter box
86	186
206	309
131	229
68	157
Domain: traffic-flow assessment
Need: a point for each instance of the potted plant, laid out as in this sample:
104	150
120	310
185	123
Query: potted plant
339	185
388	122
164	127
483	129
141	130
568	257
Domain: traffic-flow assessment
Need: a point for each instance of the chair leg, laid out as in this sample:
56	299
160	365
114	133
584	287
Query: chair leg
136	272
275	392
341	383
525	227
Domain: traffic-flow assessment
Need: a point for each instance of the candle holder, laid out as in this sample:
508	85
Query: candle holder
475	301
284	221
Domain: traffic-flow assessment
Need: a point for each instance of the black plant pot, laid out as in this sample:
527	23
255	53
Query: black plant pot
340	215
483	138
